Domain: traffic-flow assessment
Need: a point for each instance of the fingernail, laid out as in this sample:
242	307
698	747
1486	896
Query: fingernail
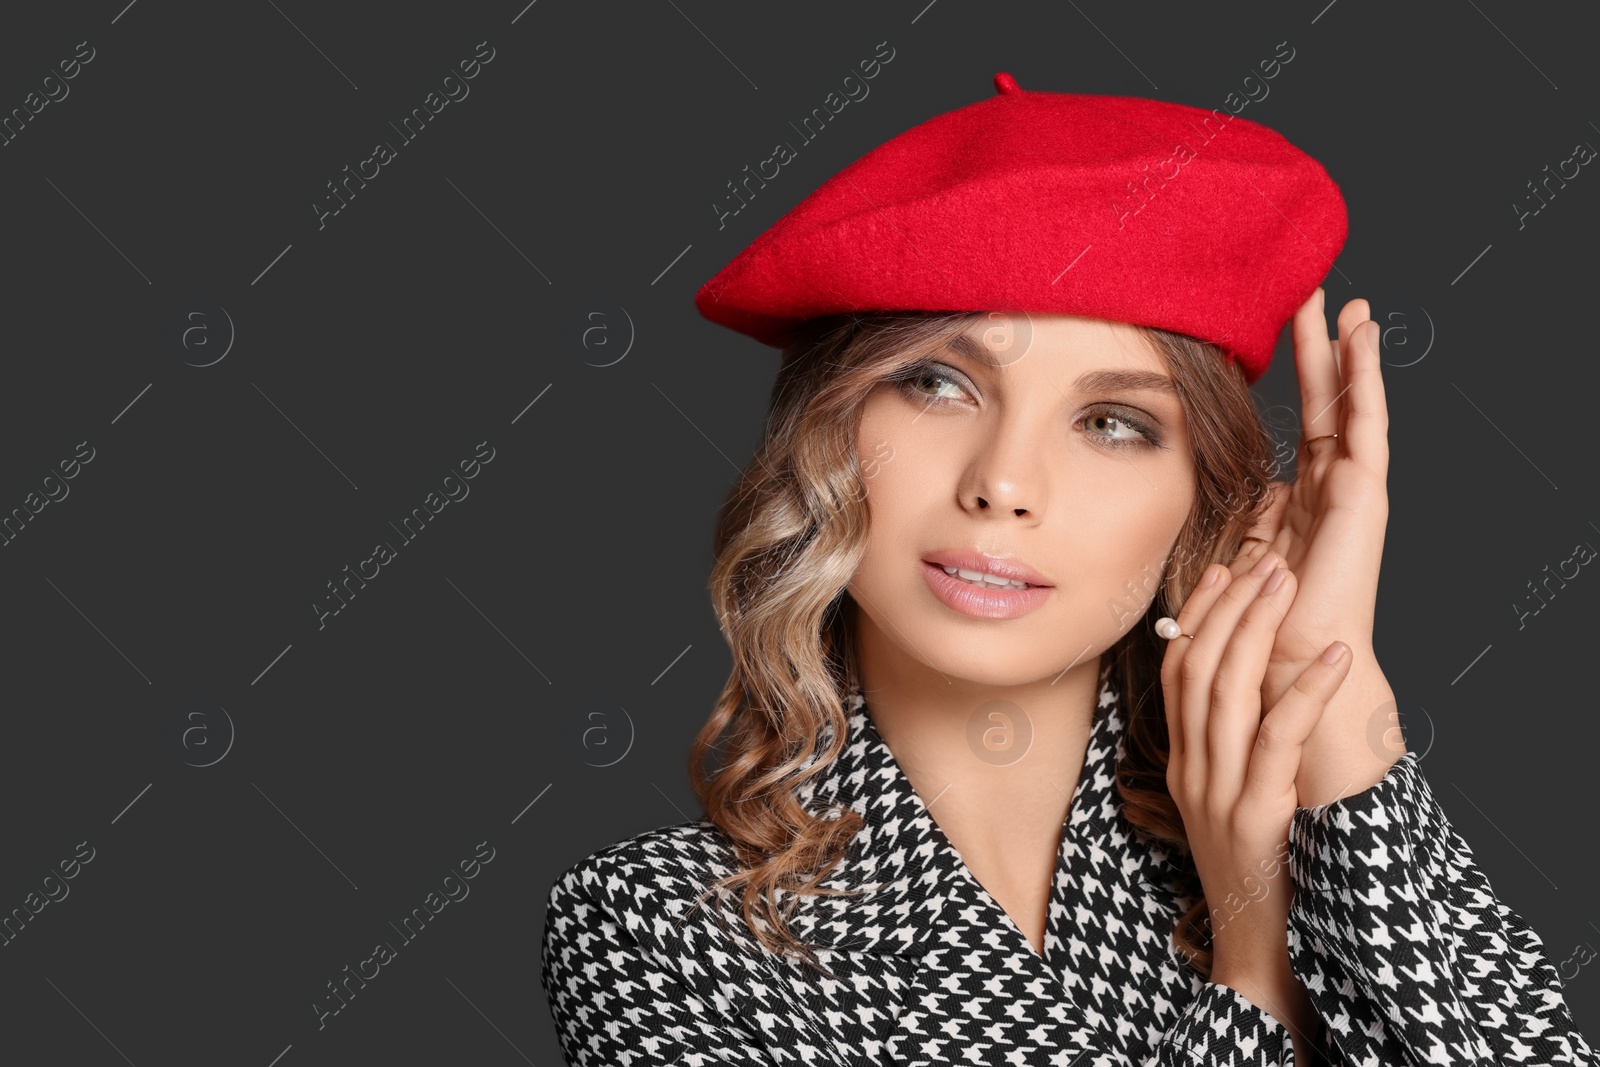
1210	577
1335	652
1265	564
1271	584
1373	338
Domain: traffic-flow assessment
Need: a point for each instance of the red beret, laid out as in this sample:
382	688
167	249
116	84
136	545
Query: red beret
1114	207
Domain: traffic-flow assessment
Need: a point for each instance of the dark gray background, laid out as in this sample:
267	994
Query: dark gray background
557	617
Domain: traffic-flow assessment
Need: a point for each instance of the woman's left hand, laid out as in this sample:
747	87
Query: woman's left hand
1328	526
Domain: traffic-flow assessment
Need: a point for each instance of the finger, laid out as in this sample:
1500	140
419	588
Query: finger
1198	669
1250	549
1264	531
1314	363
1365	431
1235	712
1275	759
1212	582
1353	314
1327	418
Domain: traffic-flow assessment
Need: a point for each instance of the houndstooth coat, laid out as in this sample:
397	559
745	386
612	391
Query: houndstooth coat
1400	942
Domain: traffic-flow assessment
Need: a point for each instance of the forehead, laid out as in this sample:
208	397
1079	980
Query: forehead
1006	339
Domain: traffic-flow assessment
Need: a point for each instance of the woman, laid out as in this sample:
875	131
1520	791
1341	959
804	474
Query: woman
1055	733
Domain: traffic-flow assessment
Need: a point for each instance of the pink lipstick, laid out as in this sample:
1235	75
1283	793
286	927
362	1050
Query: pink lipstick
984	586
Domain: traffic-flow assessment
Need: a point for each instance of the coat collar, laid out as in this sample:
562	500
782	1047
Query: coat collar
906	876
961	979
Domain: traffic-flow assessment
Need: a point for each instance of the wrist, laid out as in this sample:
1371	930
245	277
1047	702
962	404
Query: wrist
1242	971
1273	989
1357	739
1254	952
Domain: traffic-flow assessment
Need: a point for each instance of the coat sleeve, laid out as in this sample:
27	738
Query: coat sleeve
614	993
1402	945
1222	1028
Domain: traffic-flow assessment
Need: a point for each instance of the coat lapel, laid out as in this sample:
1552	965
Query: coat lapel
931	970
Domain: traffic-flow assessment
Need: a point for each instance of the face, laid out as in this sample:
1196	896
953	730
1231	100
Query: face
1053	443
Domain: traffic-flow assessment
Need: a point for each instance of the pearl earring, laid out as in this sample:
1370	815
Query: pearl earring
1168	628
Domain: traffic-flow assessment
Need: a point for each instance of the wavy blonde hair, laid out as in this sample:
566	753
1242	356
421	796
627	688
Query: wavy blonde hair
789	538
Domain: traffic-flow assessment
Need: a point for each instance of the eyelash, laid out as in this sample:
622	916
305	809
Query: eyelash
1149	439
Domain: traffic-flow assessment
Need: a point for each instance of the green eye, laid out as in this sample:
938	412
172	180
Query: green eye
1114	427
912	380
1119	428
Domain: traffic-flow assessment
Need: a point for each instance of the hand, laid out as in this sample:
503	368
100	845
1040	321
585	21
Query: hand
1328	526
1232	772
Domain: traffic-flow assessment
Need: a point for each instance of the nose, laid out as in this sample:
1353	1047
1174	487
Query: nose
1004	479
982	503
1007	472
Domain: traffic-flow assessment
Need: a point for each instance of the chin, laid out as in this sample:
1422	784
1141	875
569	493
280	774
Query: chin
997	663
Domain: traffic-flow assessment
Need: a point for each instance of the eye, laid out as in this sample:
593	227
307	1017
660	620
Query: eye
930	382
934	384
1119	428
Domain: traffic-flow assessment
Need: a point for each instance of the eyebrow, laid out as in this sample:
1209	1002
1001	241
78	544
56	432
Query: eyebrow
1108	380
1089	381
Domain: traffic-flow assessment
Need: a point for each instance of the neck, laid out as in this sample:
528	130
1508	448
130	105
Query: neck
1016	740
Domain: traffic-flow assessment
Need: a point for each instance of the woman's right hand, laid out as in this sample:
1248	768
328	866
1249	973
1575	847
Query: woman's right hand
1231	772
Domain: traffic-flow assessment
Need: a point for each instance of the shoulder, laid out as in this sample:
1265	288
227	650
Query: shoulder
633	971
644	889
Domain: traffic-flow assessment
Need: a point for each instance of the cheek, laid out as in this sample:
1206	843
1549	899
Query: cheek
1143	546
899	472
908	486
1126	547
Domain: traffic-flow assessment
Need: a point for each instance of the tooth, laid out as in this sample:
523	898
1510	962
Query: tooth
983	578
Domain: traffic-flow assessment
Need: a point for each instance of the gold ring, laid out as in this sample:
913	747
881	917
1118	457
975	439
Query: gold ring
1168	628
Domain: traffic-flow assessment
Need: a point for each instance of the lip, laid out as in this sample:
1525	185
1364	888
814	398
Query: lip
980	602
999	566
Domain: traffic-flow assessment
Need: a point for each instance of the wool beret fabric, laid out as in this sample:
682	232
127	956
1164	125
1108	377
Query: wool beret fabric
1113	207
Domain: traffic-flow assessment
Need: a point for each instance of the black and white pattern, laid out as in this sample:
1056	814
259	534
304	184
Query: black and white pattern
1394	931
